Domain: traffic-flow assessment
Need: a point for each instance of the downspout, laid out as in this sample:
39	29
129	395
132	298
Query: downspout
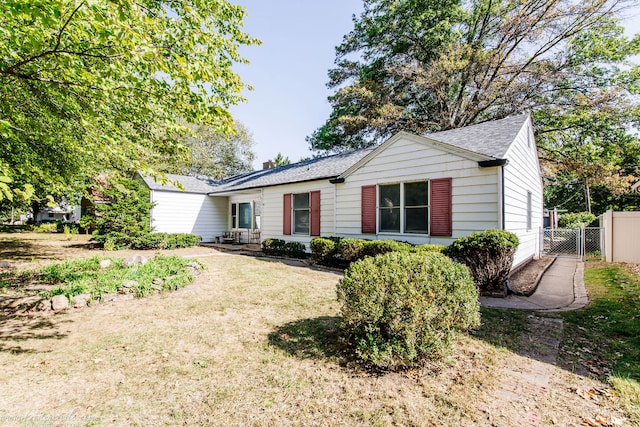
501	198
335	181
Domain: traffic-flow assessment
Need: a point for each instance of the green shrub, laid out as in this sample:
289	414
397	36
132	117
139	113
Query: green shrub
87	222
116	240
324	250
295	250
401	309
46	228
576	220
182	240
489	256
70	226
328	250
351	249
273	246
379	247
430	247
279	247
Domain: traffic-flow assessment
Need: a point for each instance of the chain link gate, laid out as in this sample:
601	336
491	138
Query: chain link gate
577	242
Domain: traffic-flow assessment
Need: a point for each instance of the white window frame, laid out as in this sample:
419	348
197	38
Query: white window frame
403	208
293	213
235	225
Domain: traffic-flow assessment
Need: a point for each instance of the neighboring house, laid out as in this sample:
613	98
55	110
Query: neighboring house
429	188
60	213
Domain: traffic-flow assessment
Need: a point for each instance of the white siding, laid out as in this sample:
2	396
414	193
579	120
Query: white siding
189	213
522	175
272	210
475	203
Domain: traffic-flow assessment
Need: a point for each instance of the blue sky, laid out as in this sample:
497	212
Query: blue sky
289	69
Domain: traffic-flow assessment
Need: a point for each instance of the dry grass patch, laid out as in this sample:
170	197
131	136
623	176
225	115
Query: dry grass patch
251	342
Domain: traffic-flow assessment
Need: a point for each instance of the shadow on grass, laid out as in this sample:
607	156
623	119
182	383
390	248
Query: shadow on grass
21	250
18	329
502	327
316	338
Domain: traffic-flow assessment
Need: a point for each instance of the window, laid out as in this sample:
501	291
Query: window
409	208
301	213
410	198
242	215
416	207
390	208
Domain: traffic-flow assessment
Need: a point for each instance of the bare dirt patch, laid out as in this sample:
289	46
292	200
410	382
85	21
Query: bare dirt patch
255	342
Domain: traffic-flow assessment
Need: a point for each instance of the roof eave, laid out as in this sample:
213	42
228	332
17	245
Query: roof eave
257	187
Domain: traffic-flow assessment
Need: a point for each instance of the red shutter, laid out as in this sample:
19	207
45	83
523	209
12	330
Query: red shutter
286	215
368	204
440	207
315	213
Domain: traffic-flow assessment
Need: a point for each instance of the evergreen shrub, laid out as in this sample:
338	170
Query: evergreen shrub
488	255
401	309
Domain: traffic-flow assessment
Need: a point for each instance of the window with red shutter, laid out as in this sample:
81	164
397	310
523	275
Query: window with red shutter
286	215
368	204
441	224
315	213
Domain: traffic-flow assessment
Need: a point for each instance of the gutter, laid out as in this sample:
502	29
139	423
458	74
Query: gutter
492	163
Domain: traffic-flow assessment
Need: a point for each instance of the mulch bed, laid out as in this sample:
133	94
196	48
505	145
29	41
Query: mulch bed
524	281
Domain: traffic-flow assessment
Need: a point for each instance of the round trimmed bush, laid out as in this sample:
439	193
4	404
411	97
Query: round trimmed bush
401	309
323	250
489	256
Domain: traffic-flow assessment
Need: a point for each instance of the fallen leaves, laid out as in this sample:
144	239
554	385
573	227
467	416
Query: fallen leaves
596	394
603	421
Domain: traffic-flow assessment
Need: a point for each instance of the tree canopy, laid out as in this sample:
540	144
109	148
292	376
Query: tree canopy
434	65
211	153
92	85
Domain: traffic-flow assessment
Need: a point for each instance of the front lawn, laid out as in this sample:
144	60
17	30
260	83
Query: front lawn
255	342
604	338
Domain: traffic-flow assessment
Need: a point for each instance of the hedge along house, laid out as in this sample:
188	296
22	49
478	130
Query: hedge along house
429	188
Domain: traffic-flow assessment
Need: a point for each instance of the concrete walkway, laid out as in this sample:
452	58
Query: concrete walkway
561	288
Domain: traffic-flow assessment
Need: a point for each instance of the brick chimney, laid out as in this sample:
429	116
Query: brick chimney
269	164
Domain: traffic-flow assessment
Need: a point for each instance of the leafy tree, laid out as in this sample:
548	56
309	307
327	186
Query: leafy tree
425	66
211	153
93	85
281	160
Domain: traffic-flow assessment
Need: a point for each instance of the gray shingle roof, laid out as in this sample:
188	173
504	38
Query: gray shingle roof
308	170
489	138
191	184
